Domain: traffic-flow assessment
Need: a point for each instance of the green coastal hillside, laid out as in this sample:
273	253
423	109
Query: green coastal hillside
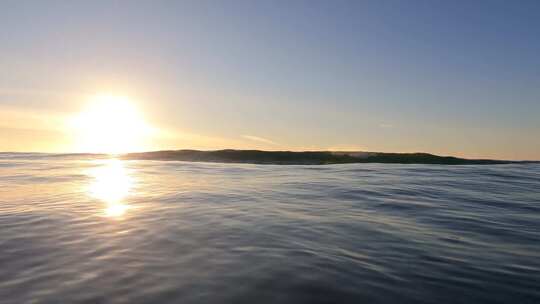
306	158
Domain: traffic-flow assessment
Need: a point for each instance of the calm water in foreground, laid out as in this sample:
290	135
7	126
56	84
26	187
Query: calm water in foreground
81	230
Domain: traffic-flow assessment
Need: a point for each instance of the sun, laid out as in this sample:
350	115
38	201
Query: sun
110	124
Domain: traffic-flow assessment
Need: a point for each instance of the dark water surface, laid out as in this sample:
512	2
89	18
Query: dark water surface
81	230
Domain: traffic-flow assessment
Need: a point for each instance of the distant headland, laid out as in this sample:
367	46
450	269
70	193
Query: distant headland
307	157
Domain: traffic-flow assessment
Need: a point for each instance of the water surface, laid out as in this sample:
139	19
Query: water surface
77	229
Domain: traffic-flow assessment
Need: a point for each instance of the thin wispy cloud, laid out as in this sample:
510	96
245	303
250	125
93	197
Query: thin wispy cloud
259	139
386	125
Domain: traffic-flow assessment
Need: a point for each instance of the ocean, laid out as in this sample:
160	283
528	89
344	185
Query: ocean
91	229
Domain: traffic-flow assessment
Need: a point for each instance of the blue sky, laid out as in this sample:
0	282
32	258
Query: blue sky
447	77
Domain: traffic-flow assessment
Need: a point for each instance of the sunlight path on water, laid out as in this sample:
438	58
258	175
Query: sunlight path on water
111	184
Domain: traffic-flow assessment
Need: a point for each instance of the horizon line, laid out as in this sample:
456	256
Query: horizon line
259	150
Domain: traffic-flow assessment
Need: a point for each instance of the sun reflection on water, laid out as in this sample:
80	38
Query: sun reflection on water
112	183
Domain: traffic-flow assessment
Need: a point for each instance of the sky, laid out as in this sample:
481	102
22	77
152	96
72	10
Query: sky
455	78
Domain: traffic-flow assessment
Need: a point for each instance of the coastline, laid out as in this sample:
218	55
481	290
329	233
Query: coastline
307	157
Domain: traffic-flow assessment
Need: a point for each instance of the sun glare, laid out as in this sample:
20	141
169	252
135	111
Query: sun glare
110	124
111	184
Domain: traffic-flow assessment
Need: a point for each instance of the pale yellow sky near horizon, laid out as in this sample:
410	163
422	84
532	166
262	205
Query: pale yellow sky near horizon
42	129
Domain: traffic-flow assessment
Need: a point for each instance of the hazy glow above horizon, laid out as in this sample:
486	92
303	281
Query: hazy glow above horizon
109	124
